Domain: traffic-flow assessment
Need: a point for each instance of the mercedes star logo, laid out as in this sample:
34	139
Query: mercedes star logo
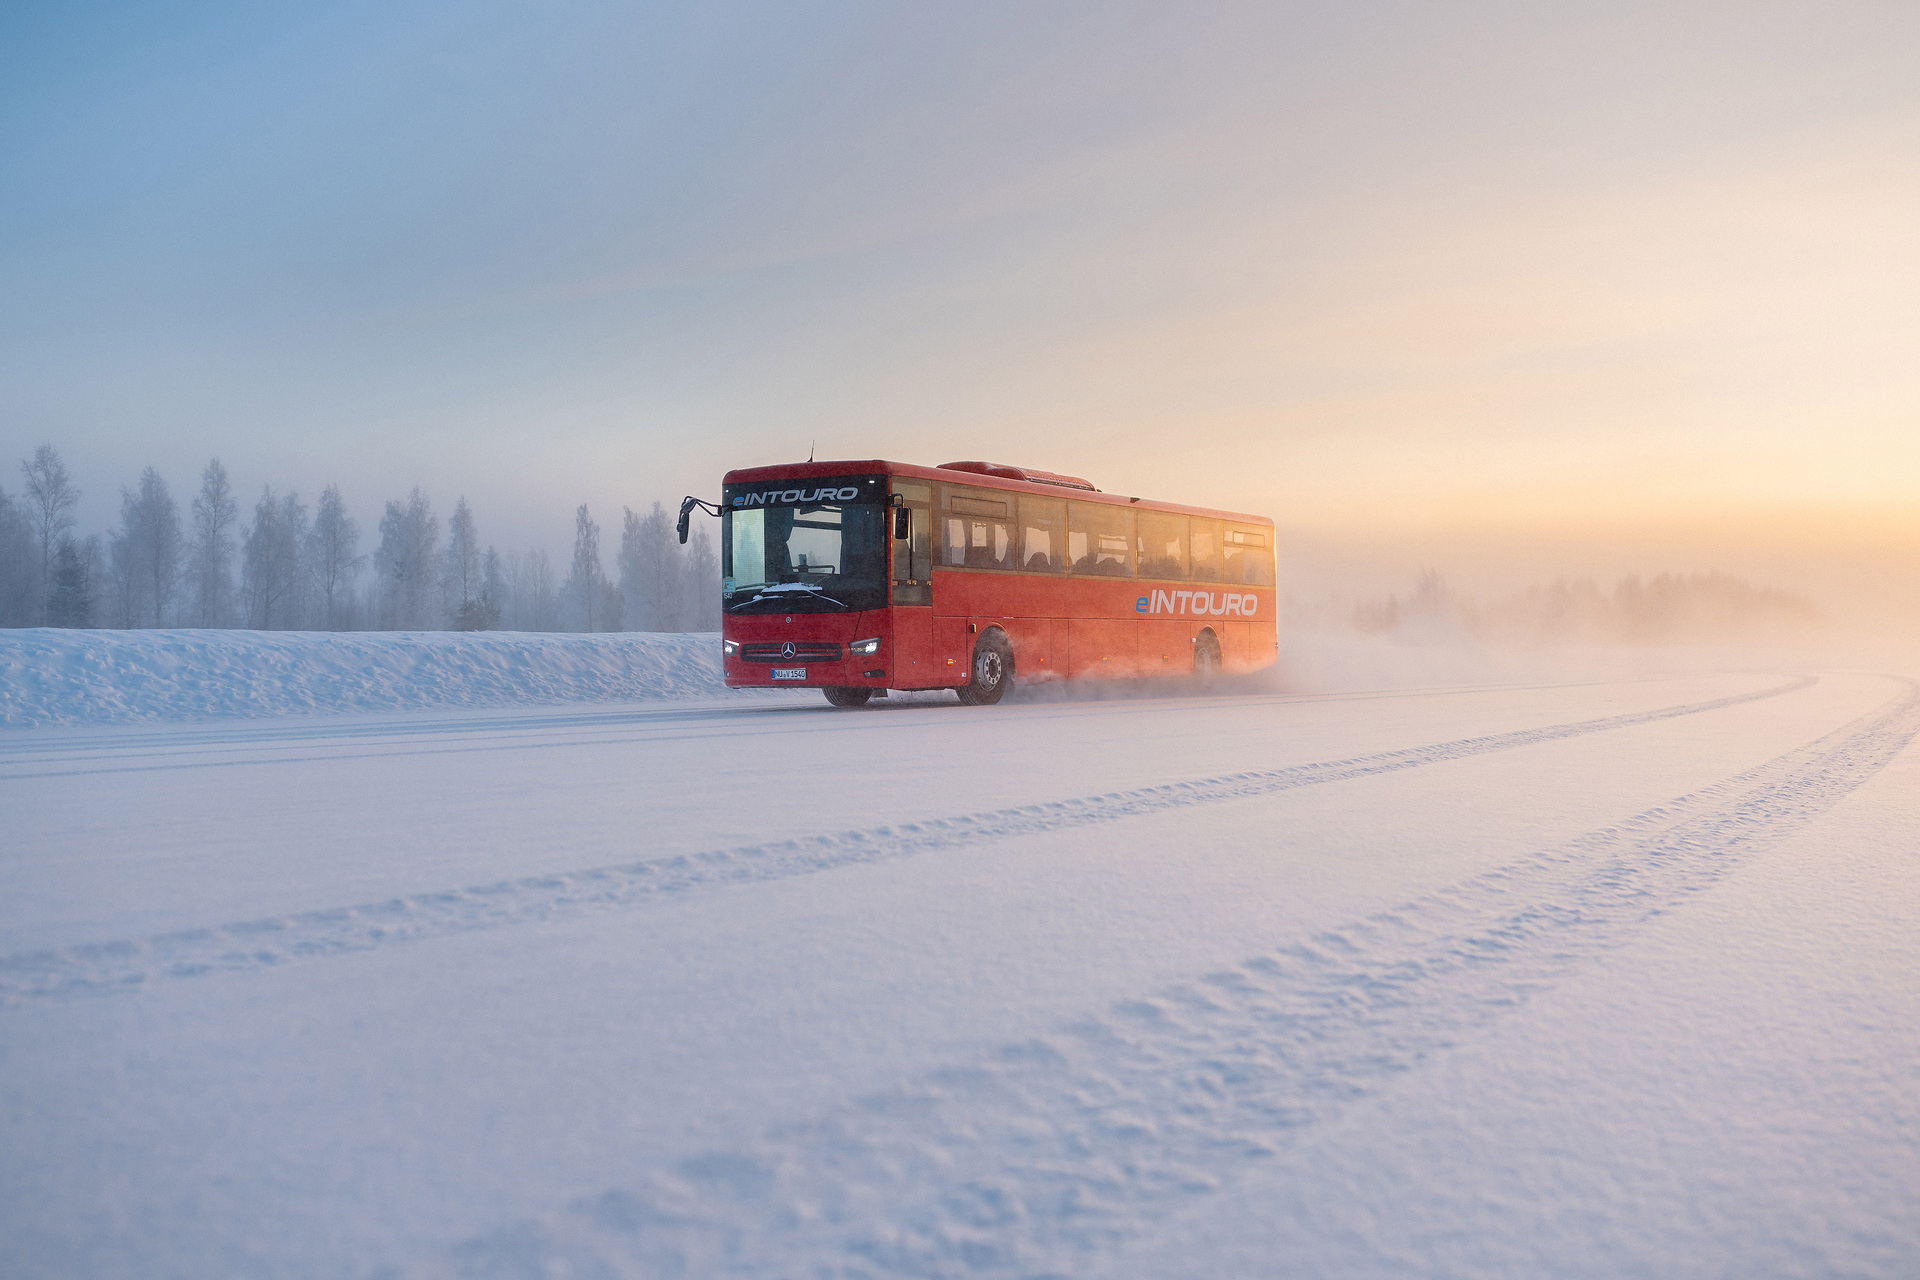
787	650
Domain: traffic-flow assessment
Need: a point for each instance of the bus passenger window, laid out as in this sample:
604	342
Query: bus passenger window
978	530
1205	548
1163	545
988	544
1043	534
1249	559
1100	539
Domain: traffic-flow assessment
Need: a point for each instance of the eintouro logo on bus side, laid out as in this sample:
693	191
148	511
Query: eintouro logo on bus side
1218	604
781	497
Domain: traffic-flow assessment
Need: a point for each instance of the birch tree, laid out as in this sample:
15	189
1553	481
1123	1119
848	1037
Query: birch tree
273	570
652	585
533	600
19	565
700	585
333	559
147	553
210	556
587	590
50	495
407	563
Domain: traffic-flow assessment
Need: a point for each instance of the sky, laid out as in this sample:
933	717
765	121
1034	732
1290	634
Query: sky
1509	288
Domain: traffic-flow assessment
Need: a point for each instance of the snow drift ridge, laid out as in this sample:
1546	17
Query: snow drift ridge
52	677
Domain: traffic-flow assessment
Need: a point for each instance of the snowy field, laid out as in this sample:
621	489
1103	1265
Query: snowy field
50	677
1602	972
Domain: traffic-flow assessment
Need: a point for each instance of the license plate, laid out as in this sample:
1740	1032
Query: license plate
789	673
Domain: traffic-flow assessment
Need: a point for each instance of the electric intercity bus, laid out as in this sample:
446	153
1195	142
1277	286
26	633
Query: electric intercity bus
861	577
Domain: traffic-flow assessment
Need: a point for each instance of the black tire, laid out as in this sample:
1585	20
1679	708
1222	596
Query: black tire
847	695
1206	660
992	672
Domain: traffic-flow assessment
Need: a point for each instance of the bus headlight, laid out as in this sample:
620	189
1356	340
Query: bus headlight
865	648
730	648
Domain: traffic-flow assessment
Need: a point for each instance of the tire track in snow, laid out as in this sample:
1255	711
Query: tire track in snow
128	964
1047	1157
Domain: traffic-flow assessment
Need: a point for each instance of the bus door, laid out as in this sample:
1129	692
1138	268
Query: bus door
912	585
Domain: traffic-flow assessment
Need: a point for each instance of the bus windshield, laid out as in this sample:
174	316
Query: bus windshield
809	557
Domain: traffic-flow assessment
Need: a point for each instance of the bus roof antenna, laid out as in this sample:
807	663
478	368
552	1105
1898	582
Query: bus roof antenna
810	448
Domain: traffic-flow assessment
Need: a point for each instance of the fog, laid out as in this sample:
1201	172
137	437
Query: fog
1389	602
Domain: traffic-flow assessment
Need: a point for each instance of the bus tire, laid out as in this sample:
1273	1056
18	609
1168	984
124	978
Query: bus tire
846	695
1206	659
992	672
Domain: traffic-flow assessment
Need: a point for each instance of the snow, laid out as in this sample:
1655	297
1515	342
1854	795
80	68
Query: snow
54	677
1607	976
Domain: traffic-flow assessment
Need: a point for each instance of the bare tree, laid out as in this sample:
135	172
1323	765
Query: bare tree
210	557
332	558
50	498
588	595
273	568
700	591
147	552
165	546
533	602
407	562
484	613
261	585
19	566
651	575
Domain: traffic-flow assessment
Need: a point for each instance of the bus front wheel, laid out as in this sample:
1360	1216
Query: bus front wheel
842	695
992	672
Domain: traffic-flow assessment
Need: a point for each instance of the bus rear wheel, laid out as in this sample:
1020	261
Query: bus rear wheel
1206	659
992	672
845	695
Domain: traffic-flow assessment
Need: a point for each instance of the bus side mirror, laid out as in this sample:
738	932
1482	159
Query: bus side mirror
902	522
686	506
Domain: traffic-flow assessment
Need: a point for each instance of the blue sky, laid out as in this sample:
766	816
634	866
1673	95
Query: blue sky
1610	274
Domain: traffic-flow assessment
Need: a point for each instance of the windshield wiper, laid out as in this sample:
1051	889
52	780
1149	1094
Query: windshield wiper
781	594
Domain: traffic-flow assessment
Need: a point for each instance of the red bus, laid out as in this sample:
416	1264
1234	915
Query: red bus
861	577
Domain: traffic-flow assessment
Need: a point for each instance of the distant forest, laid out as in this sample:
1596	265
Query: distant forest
1668	607
287	567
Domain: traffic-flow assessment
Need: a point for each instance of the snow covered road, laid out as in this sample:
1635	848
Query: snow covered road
1589	979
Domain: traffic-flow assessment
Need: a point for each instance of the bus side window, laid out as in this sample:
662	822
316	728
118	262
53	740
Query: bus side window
976	529
1043	534
1163	545
992	544
1205	544
1249	558
953	540
1100	539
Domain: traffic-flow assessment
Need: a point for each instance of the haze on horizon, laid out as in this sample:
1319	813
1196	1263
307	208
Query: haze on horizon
1593	288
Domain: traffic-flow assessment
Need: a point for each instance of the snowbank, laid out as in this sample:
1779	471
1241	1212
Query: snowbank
50	677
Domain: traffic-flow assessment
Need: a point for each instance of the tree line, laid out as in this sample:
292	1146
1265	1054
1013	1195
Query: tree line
1663	609
288	567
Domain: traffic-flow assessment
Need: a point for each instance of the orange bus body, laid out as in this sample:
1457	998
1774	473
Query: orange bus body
1063	623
